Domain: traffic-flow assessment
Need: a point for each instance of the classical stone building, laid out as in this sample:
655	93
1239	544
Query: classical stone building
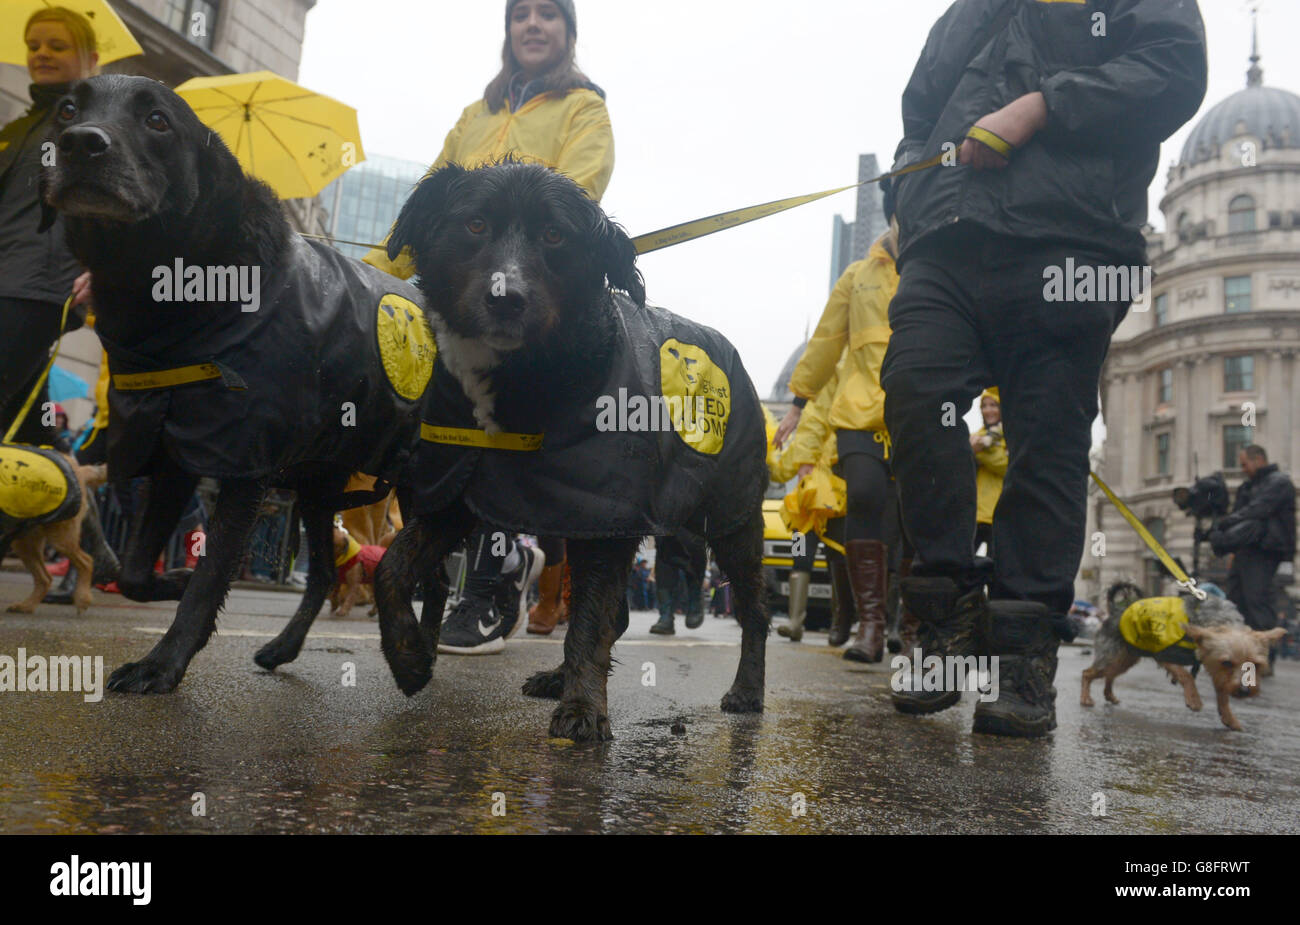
1207	361
183	39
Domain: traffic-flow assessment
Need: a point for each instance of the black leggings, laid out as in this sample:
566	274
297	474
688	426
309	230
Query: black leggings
872	504
27	329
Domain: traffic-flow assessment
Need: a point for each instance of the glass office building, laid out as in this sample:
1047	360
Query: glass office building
365	201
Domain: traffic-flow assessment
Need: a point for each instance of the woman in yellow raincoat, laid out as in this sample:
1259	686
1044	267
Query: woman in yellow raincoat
990	448
811	454
856	318
539	108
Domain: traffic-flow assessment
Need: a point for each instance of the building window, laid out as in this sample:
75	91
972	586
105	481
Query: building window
1162	309
1236	294
1241	214
1162	454
1184	226
1239	374
1235	439
1275	219
194	19
1165	392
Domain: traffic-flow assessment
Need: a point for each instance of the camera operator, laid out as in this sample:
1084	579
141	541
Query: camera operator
1260	532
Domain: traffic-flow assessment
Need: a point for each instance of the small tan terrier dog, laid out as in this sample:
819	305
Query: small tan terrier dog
1234	655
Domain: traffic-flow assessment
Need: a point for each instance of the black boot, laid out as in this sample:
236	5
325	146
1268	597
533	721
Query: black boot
841	602
107	567
951	623
1025	641
665	600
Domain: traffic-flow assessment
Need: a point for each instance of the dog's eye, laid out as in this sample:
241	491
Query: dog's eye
1226	663
157	121
67	111
476	226
553	236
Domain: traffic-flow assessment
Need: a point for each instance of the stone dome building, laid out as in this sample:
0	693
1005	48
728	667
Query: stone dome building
1206	362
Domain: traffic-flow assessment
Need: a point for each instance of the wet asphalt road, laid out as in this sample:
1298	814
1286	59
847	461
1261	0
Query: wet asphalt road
298	751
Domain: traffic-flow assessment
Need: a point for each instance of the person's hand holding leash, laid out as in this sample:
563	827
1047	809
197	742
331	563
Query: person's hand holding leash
1016	123
81	292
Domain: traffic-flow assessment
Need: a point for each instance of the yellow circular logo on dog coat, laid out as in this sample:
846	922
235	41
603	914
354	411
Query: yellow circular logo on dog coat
30	485
1154	624
406	346
697	395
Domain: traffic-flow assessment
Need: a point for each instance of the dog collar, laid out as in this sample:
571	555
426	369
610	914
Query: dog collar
466	436
173	378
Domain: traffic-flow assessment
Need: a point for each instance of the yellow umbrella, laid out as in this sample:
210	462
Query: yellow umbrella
115	41
294	139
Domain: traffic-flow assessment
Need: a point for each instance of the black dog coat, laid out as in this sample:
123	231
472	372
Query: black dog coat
327	369
37	486
670	440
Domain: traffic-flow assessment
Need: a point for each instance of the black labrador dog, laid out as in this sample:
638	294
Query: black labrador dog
563	405
238	351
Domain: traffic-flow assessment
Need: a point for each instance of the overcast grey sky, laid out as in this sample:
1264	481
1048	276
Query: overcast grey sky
715	105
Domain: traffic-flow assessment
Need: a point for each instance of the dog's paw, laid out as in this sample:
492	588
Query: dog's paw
1086	701
742	700
580	722
1111	698
549	685
274	654
21	608
410	656
145	677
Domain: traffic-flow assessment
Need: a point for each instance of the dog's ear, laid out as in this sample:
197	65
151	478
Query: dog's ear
422	210
1194	632
617	255
1273	635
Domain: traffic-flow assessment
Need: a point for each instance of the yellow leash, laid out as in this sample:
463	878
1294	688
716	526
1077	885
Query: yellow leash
31	399
701	227
1183	579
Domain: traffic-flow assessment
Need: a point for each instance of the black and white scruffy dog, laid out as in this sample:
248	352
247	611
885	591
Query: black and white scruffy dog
563	405
1233	654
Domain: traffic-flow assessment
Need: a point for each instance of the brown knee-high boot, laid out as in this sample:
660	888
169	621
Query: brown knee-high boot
550	599
868	573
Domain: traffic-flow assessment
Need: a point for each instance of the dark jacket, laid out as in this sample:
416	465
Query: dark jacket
1111	101
330	368
598	472
32	265
1267	498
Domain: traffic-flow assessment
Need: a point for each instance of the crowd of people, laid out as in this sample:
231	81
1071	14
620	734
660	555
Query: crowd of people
979	535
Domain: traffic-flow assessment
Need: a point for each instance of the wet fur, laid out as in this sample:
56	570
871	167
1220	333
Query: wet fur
560	311
150	198
1224	645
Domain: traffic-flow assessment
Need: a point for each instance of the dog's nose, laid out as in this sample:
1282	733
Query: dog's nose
509	303
87	140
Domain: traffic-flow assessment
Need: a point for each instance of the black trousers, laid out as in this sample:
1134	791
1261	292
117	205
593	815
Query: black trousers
971	312
27	329
1250	587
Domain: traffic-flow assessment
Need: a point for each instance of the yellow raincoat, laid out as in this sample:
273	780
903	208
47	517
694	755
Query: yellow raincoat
813	442
856	318
990	469
570	133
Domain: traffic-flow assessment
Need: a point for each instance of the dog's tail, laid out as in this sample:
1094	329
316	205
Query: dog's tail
1121	596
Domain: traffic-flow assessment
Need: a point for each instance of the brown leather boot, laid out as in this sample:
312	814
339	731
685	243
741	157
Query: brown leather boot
543	615
564	597
868	573
841	602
